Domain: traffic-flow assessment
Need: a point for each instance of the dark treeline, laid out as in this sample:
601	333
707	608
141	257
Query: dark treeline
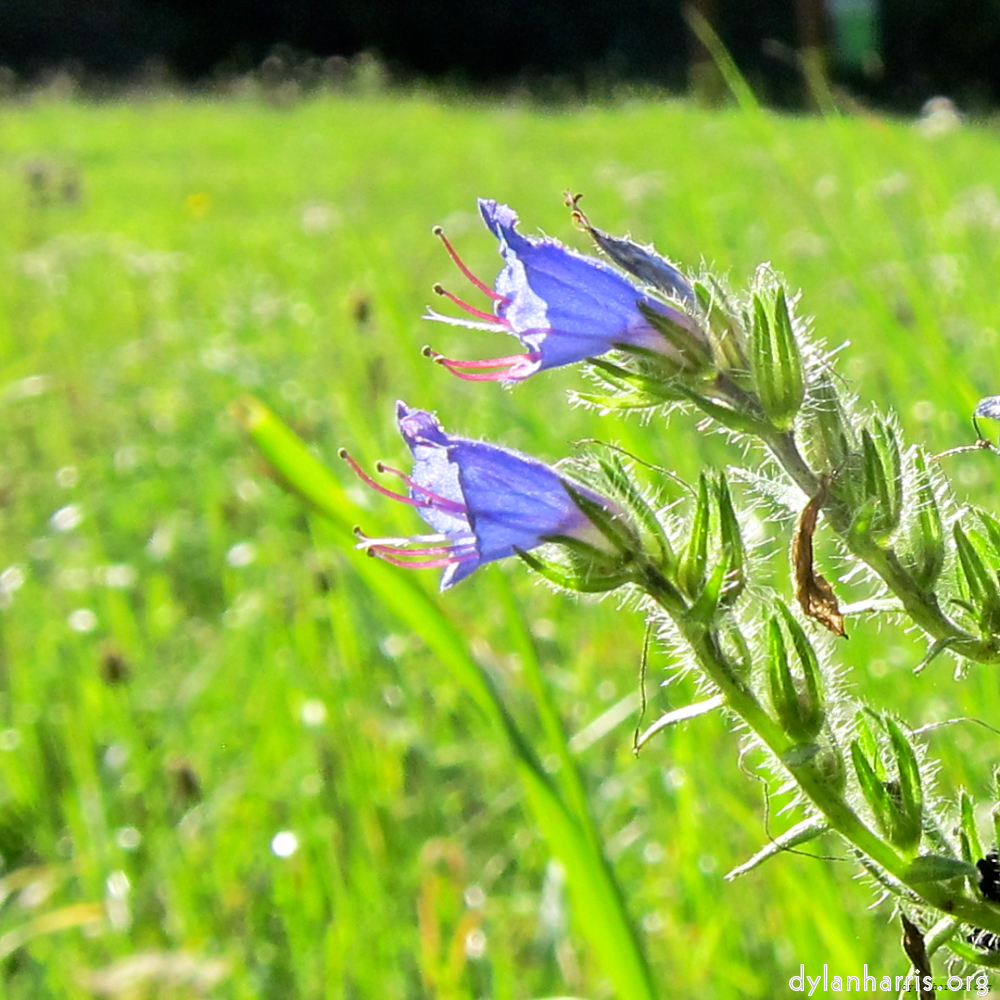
919	47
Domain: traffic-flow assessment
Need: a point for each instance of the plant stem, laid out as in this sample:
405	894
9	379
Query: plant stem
921	605
818	787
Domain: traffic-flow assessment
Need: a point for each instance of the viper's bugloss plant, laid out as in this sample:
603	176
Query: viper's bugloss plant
657	340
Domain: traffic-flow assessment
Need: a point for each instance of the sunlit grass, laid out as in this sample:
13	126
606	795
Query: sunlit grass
190	668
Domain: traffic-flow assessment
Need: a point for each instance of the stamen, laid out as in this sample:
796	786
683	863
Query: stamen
422	564
397	542
471	310
453	253
430	550
511	359
379	488
440	501
516	367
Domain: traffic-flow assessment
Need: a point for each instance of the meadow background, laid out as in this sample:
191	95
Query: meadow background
227	768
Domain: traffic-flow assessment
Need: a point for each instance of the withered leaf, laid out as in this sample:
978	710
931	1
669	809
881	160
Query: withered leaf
814	593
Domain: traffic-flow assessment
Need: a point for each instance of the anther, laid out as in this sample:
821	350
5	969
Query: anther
439	288
379	467
342	452
463	267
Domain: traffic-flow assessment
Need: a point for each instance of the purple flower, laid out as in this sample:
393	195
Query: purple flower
483	502
562	306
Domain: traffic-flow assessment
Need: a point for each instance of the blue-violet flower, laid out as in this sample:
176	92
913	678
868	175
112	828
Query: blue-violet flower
484	502
564	307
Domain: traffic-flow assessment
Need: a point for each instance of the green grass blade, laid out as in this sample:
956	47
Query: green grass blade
599	905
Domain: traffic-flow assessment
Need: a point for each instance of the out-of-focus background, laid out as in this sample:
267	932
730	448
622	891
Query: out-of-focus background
898	53
229	767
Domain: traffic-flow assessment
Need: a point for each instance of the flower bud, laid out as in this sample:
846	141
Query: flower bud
972	848
623	487
734	554
883	482
923	552
909	824
977	583
797	697
824	431
896	803
726	334
694	560
775	361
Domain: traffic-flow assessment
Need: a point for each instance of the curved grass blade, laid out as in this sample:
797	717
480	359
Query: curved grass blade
599	907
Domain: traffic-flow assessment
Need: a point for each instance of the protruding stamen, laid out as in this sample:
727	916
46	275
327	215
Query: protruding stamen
513	368
401	542
442	503
412	501
461	265
471	310
425	551
508	361
422	563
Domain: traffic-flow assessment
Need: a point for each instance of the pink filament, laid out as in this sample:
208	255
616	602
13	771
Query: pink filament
442	503
453	253
508	371
422	563
511	359
378	487
472	310
435	550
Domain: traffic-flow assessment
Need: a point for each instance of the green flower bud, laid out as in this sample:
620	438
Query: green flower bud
797	697
923	551
883	481
694	560
775	361
824	432
897	803
734	554
970	835
726	334
976	582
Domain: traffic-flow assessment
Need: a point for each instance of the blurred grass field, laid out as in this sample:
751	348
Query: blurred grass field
226	770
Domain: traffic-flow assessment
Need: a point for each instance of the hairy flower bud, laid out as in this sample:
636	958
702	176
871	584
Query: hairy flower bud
922	551
796	696
824	431
897	803
977	583
775	360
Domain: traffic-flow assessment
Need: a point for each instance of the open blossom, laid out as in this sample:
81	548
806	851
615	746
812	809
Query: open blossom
483	502
564	307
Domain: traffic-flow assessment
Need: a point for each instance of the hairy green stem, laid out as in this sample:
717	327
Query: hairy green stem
824	794
921	605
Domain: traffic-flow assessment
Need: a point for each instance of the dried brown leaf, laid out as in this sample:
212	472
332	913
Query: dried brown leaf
814	593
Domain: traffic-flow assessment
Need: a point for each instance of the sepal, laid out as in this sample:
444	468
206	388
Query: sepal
693	355
691	570
734	553
824	430
776	361
797	696
897	803
924	552
576	575
976	582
